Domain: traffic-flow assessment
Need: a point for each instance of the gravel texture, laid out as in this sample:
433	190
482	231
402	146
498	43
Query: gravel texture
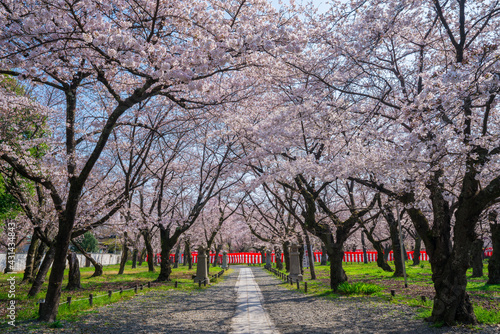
295	312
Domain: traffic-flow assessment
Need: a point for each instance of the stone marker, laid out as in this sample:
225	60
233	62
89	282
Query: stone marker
295	273
268	260
201	268
224	260
305	260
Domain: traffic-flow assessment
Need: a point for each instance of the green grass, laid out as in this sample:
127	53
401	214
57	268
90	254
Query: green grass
358	288
27	308
485	316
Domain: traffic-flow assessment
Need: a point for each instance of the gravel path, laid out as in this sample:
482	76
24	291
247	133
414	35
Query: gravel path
294	312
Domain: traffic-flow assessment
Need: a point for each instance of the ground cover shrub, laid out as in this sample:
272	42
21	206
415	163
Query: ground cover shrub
358	288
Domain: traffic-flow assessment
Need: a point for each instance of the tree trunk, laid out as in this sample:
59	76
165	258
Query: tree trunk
207	252
48	310
416	251
387	251
277	252
39	256
187	256
167	244
381	262
449	262
98	267
124	258
451	303
310	255
218	248
477	258
149	249
140	260
381	258
363	244
30	258
135	253
74	272
263	256
494	261
337	273
286	255
396	245
323	255
177	256
42	272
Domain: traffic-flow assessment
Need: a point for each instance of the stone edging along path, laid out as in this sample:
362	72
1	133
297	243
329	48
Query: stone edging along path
216	309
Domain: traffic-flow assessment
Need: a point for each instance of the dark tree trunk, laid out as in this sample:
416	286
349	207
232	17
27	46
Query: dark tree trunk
142	254
323	255
494	261
167	244
381	258
177	256
48	310
387	251
135	253
363	244
40	252
187	256
98	267
286	255
263	256
310	255
218	248
451	303
416	251
396	246
42	272
74	272
449	262
124	258
30	258
277	252
149	249
381	262
477	258
337	273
